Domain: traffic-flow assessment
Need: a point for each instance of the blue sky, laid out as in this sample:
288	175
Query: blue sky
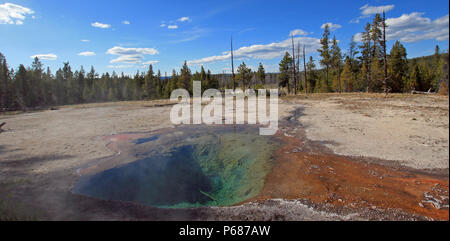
128	35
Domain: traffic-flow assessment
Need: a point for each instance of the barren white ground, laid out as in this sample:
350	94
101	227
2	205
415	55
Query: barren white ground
413	130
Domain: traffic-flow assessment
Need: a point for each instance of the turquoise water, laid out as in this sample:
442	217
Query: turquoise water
191	166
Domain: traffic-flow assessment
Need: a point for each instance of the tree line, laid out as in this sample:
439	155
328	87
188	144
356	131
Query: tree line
366	67
37	87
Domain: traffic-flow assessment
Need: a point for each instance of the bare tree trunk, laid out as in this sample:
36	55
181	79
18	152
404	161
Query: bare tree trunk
369	66
232	66
304	66
298	66
327	78
293	62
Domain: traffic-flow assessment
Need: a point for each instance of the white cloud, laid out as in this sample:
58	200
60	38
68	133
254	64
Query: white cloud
331	26
263	51
100	25
172	25
184	19
129	59
87	53
126	22
45	56
298	32
413	27
85	40
120	66
130	55
13	14
370	10
153	62
132	51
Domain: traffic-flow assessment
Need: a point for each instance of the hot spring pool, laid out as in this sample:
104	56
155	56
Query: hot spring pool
185	167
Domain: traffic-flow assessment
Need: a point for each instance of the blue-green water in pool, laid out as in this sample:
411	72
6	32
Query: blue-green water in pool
189	166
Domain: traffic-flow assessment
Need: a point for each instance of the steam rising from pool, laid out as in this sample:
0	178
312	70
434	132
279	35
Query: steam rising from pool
190	166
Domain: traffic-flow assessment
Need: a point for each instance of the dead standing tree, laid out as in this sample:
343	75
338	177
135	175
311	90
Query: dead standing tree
304	66
232	66
298	66
294	66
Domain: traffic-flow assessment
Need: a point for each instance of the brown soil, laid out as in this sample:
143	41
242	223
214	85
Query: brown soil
341	181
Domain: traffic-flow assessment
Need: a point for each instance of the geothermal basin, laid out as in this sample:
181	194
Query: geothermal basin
186	167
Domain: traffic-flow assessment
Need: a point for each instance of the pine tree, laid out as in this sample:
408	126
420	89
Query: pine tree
376	54
437	69
361	80
312	75
88	94
347	75
166	90
48	82
140	86
174	81
261	74
22	86
366	55
6	92
427	76
202	78
67	80
397	68
150	90
414	79
121	87
159	85
325	54
35	93
244	75
102	88
212	80
184	81
285	67
78	85
336	61
113	85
